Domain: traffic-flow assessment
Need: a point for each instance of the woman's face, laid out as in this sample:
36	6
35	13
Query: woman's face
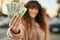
33	12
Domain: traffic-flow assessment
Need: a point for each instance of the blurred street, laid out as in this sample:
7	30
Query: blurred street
3	35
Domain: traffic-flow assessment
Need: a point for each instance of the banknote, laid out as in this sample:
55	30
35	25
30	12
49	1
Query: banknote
16	8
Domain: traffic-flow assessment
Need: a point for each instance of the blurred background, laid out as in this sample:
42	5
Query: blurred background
51	7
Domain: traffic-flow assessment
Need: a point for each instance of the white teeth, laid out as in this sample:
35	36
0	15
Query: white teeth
16	8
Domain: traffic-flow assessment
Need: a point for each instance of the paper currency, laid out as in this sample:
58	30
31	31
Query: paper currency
16	8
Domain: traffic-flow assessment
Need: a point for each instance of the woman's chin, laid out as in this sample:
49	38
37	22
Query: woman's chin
33	17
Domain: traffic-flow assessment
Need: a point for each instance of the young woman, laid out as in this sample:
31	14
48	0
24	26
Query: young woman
32	26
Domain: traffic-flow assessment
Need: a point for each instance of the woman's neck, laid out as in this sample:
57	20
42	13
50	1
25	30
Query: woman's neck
33	19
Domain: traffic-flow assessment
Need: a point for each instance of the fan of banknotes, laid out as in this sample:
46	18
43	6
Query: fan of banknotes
15	8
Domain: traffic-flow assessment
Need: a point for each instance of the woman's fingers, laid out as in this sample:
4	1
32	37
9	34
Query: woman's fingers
14	22
16	27
11	22
18	22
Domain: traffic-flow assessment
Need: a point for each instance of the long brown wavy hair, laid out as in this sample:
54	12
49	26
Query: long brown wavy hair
40	18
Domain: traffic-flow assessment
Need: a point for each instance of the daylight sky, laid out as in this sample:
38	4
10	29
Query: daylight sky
50	5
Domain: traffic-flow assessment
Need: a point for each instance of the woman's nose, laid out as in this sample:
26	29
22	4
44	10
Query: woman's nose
33	10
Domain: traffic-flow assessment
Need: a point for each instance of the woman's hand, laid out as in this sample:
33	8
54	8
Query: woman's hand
14	24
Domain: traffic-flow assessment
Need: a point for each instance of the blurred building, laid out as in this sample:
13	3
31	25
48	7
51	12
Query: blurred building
58	11
1	5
